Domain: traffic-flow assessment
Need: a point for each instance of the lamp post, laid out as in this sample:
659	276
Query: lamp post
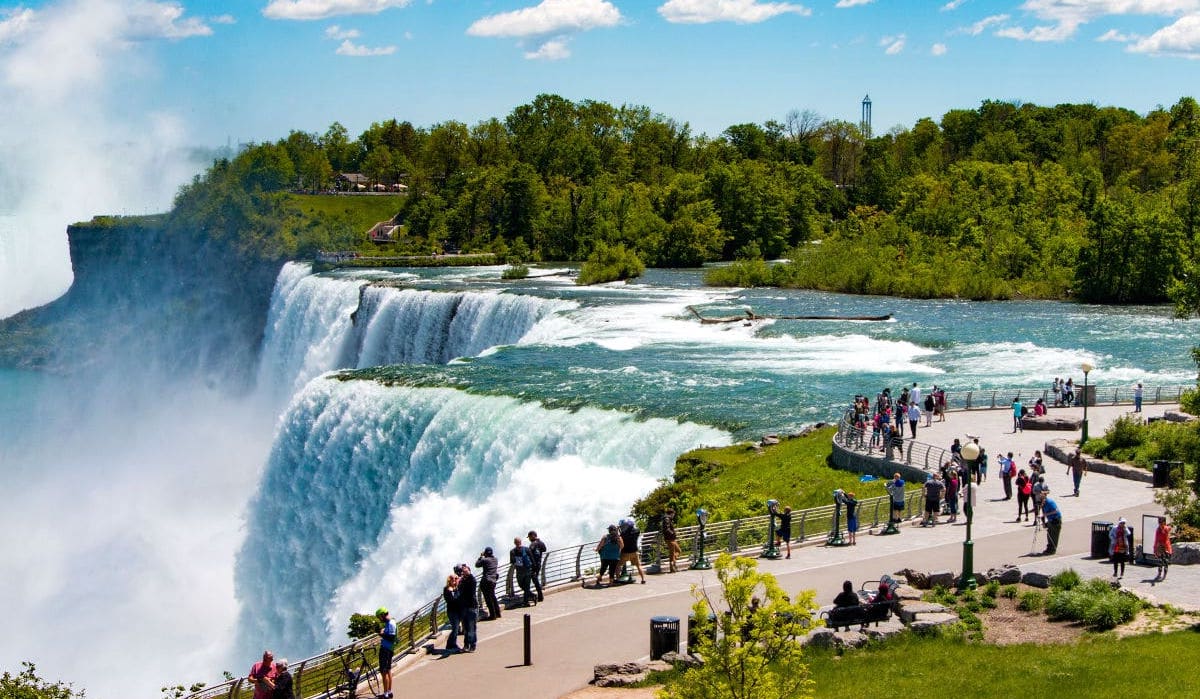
701	562
970	453
771	551
1087	367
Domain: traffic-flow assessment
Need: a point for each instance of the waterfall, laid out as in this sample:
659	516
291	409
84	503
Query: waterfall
371	493
317	324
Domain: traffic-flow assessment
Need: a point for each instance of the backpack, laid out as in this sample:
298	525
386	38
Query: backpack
1027	489
521	558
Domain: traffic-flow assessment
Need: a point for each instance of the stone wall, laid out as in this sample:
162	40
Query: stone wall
1062	449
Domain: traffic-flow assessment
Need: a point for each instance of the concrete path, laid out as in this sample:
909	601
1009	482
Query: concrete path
575	629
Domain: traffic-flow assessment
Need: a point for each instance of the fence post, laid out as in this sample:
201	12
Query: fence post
733	544
579	562
993	400
235	688
875	516
968	406
508	582
412	631
433	617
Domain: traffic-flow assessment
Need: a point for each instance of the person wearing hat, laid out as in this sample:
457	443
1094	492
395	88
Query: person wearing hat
609	549
1120	544
491	575
387	645
1053	517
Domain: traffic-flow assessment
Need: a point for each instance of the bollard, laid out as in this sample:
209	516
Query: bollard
528	641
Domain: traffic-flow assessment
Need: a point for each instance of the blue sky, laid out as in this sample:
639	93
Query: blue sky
255	69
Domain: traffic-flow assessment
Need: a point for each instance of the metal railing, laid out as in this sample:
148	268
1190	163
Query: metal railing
997	398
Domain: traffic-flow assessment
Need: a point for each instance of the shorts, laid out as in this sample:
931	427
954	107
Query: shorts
931	505
385	659
897	505
852	523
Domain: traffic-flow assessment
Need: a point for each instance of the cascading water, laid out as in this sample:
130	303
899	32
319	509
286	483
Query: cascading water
371	492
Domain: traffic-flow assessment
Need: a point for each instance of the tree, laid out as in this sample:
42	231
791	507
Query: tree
27	685
750	651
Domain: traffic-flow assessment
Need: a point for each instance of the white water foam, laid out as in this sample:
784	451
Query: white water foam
372	493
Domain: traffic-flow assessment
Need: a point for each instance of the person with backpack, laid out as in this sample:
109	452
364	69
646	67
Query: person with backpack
522	563
609	549
929	406
537	551
1024	490
630	542
1120	545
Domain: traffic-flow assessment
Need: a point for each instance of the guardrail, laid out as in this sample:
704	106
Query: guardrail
573	564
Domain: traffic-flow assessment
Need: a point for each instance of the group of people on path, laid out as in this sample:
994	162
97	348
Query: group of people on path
887	417
620	546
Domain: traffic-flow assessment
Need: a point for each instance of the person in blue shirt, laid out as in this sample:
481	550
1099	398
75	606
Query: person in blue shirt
1053	517
387	644
1018	413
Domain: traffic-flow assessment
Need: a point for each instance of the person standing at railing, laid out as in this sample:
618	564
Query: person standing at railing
895	488
387	645
630	546
453	610
467	591
522	563
283	681
952	487
262	676
671	538
783	533
851	518
1137	398
537	551
491	575
609	549
930	405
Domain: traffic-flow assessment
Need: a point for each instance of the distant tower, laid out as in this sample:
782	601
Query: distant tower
866	117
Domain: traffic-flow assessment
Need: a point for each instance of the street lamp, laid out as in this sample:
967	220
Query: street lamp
1086	366
701	562
970	454
771	551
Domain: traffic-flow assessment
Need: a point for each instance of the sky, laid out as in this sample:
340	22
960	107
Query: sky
105	98
253	70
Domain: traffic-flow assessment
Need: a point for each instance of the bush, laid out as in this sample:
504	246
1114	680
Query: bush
1094	603
991	589
1066	580
609	264
364	625
1189	402
987	602
515	272
1125	432
1031	601
1009	592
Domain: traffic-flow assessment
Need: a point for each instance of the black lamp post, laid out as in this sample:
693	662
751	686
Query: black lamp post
701	562
1087	367
771	551
970	454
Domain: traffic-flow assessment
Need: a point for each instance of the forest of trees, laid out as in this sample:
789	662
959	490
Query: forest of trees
1006	200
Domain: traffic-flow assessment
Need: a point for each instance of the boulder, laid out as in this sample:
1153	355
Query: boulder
682	659
1185	554
885	630
911	611
1049	422
624	674
931	622
1176	416
1005	575
915	578
906	592
1033	579
851	639
944	578
821	638
770	439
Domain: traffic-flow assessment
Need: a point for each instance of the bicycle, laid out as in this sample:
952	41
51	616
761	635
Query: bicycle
357	671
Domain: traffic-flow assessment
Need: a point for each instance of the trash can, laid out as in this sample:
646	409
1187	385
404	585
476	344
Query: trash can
664	636
1162	473
1100	539
693	638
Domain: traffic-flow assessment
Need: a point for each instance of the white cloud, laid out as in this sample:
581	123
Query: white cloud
952	5
15	23
893	44
549	17
333	31
161	20
938	50
1114	35
740	11
1064	17
978	28
853	3
553	50
223	19
349	48
324	9
1179	39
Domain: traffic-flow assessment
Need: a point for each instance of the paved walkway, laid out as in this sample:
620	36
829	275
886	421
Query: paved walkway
576	628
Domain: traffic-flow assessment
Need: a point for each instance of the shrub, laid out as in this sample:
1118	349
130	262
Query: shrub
1189	402
1112	610
1009	592
1094	603
991	589
1066	580
515	272
1031	601
1125	432
987	602
608	264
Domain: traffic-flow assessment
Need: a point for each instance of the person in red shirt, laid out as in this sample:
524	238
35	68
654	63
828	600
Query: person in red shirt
262	676
1162	547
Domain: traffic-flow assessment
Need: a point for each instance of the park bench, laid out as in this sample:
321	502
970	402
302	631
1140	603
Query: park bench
867	612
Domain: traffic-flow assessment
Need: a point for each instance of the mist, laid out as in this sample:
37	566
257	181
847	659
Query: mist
72	147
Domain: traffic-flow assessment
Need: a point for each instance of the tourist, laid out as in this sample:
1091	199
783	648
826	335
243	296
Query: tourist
889	444
914	416
901	412
468	606
1056	391
387	645
876	432
1039	491
895	488
914	395
671	537
930	405
783	535
453	611
1017	414
1053	517
522	564
1035	463
939	403
1077	467
1039	408
1120	545
956	449
537	552
283	681
1068	393
630	546
1024	490
1162	547
847	597
1007	471
852	518
609	549
952	488
491	575
262	676
933	499
1137	398
981	465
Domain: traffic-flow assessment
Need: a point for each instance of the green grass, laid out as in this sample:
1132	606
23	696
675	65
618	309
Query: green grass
360	211
734	482
923	667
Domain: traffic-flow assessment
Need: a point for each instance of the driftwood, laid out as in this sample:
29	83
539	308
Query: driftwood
750	315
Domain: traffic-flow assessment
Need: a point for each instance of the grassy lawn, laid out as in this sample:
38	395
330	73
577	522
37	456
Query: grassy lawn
1099	666
360	211
733	482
